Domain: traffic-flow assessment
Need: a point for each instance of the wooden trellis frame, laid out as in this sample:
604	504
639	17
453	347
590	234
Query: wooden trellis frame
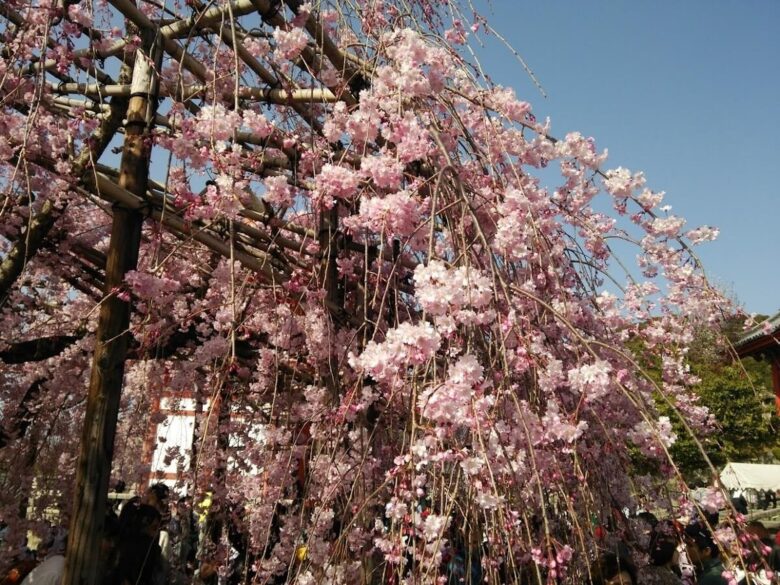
258	241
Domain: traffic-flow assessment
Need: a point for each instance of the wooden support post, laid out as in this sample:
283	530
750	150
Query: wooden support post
83	557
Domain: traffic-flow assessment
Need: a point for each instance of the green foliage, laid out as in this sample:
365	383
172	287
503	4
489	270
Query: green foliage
739	395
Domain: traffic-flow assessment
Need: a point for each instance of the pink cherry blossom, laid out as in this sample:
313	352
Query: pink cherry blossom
290	43
382	297
278	192
335	182
441	290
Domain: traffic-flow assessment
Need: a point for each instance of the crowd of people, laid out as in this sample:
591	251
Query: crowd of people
692	555
146	541
756	499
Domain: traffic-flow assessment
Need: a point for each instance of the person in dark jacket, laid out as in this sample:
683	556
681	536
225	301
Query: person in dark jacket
704	555
139	559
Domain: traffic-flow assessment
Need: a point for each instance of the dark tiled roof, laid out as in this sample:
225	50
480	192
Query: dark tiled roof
768	327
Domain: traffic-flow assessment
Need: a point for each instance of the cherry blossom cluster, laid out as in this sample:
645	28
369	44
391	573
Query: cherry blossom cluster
397	342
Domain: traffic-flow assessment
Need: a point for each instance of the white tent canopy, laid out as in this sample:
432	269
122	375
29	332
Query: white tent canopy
750	475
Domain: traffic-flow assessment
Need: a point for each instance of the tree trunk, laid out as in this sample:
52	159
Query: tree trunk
25	247
105	385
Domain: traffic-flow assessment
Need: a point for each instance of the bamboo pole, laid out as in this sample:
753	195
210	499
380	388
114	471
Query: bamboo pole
263	94
134	15
214	15
83	564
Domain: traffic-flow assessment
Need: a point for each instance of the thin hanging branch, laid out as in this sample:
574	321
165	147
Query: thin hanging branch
28	243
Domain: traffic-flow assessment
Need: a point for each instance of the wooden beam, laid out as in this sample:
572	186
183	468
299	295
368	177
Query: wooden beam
134	15
83	558
187	92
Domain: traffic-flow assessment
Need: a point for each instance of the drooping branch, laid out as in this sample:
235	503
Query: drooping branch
51	65
107	189
35	350
28	243
26	246
334	302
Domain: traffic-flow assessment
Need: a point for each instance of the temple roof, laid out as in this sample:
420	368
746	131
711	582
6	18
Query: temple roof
763	336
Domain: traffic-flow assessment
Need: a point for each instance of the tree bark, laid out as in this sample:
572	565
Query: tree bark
35	350
329	250
97	441
25	247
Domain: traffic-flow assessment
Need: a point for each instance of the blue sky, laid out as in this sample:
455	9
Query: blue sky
688	92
